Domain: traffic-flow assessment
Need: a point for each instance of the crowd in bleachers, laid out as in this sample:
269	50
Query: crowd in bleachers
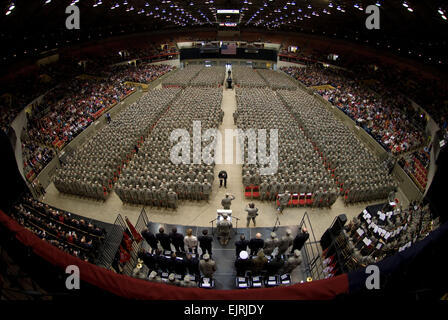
35	158
314	76
7	115
68	117
55	124
390	119
416	164
143	73
69	107
67	232
430	92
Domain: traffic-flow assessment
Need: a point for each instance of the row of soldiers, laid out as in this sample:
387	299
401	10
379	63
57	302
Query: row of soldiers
247	77
357	172
166	195
155	175
148	178
99	161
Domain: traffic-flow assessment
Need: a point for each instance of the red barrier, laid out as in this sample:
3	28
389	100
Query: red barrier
132	288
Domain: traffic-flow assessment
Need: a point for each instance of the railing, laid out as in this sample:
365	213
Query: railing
112	243
312	251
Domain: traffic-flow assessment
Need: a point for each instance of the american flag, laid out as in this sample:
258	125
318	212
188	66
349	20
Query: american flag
228	49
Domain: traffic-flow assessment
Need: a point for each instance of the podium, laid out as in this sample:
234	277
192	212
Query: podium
219	213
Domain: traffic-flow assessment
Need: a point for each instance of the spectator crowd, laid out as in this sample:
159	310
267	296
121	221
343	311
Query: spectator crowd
389	118
64	230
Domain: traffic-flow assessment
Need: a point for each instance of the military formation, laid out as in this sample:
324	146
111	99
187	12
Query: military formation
209	77
151	178
317	154
300	168
93	168
359	174
247	77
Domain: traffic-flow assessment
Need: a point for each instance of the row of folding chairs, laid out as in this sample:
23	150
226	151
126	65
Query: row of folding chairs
297	199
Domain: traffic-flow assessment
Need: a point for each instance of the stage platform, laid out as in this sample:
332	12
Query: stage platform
225	256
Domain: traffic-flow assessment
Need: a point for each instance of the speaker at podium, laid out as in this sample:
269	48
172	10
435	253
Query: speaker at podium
220	212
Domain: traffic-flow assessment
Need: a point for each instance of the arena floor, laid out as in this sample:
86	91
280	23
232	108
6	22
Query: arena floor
201	213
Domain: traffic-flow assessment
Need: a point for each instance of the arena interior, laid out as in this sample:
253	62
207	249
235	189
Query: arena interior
227	149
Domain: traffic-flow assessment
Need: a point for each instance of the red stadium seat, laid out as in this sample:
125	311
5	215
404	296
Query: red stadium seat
248	192
295	199
309	199
256	192
302	200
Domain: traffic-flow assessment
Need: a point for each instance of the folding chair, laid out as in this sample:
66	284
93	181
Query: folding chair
248	192
309	199
302	200
256	192
295	199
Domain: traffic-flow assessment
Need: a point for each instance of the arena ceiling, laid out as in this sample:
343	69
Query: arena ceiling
29	27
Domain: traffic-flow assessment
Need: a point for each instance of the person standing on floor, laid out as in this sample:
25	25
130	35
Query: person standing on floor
177	239
252	214
300	239
241	245
222	175
207	266
255	244
227	201
223	228
191	241
205	242
164	239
